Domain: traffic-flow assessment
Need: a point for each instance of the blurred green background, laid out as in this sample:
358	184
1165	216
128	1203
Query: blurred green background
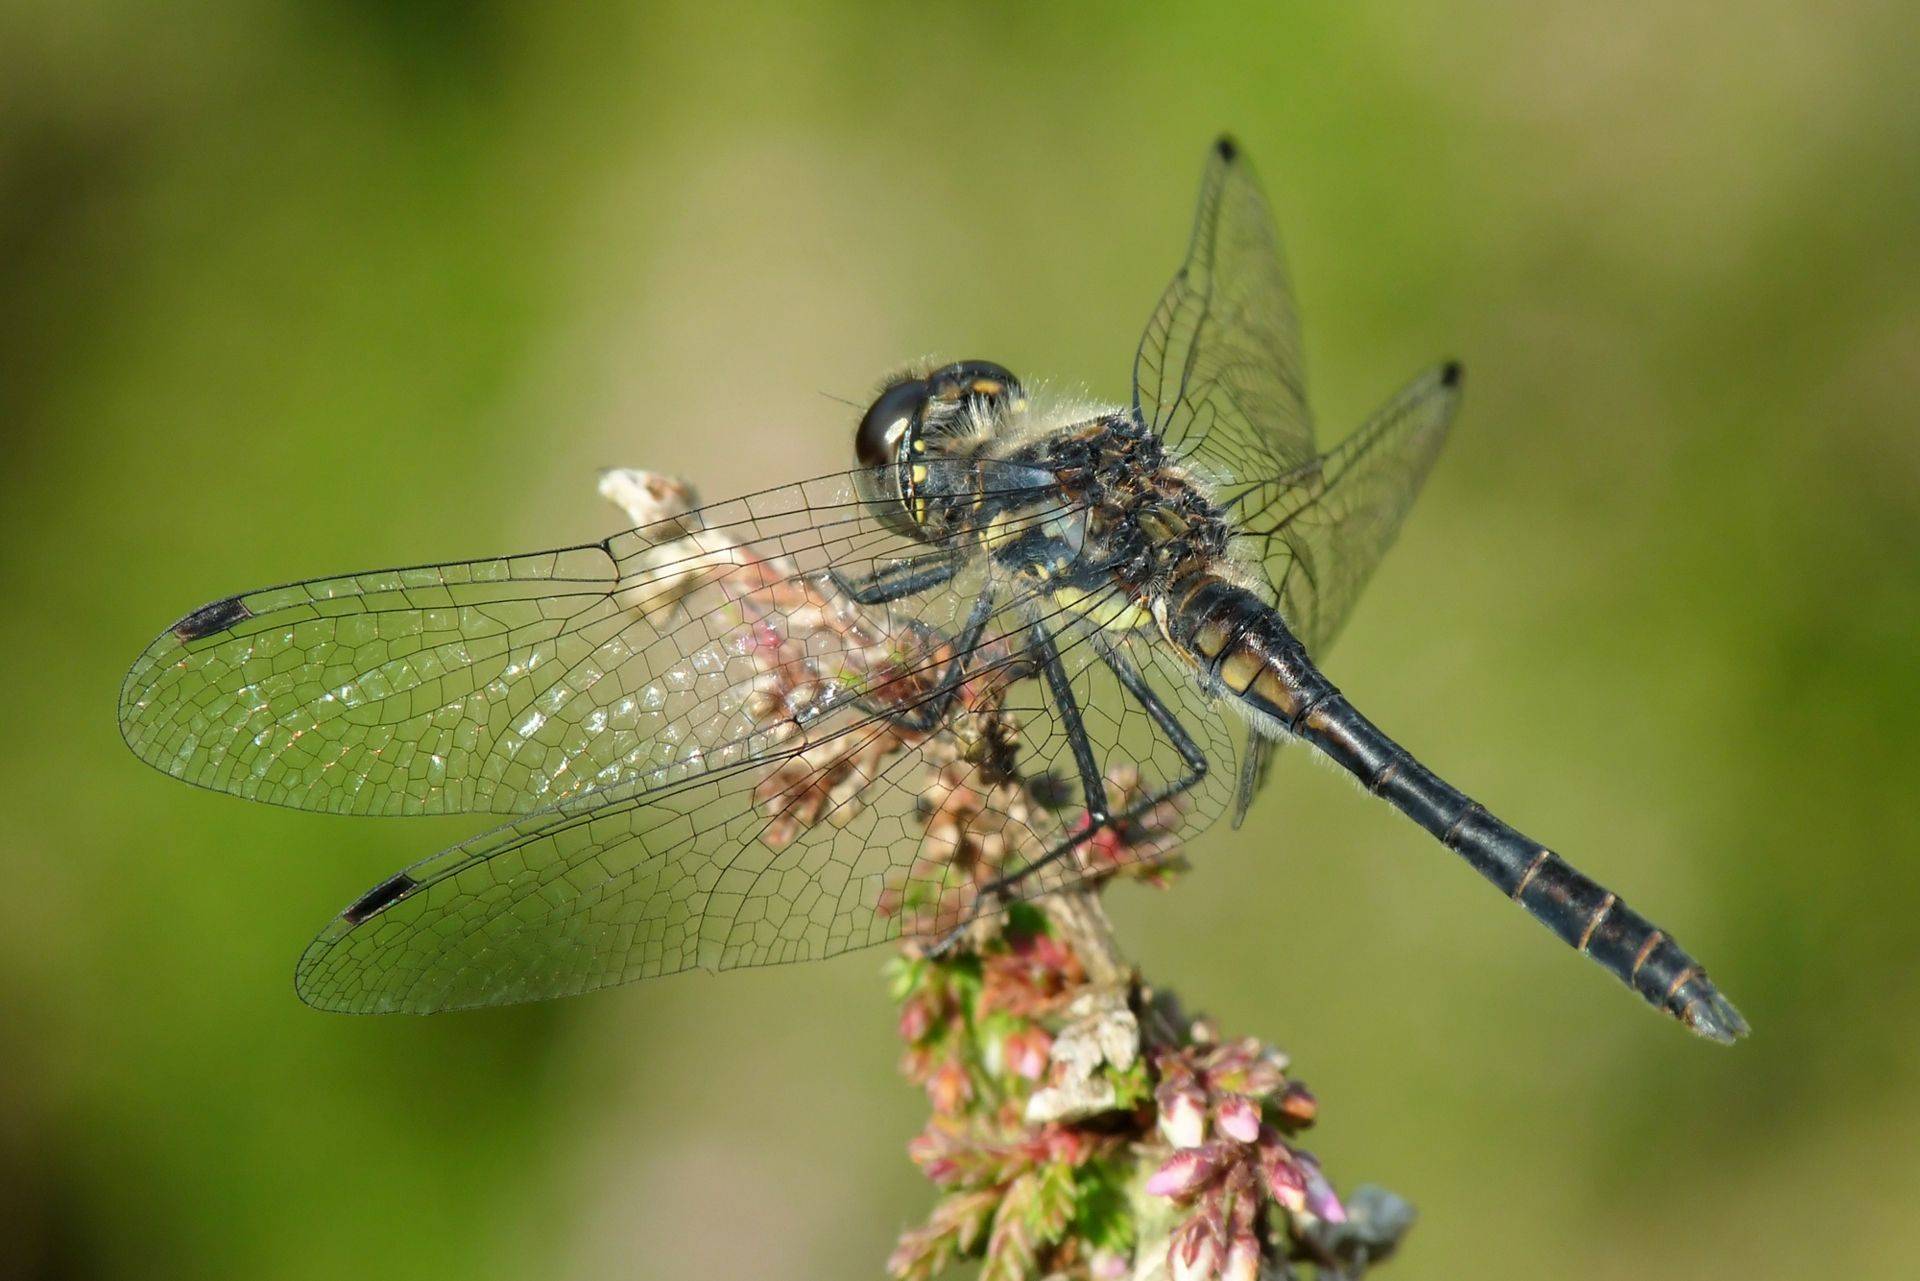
295	288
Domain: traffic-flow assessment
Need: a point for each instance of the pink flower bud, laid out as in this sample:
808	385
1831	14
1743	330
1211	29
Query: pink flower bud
1260	1079
1238	1118
949	1089
1175	1073
1285	1181
1242	1198
1065	1144
916	1020
1183	1173
1195	1251
930	1153
1243	1260
1298	1104
1026	1053
1322	1203
1183	1119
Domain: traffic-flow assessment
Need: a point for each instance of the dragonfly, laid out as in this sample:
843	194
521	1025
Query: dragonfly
1025	643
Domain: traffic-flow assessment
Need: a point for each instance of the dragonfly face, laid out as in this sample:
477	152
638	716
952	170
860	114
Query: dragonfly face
918	424
1019	647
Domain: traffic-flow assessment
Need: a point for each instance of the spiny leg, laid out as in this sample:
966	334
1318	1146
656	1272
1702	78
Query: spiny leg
927	715
1162	716
1060	685
910	577
902	578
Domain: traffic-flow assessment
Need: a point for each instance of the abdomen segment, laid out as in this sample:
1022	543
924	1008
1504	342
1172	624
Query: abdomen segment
1247	652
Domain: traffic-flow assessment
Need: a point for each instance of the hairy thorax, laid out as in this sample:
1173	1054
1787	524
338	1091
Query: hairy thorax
1132	523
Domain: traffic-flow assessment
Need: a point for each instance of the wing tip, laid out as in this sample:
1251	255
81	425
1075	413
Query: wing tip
379	898
134	714
219	616
1452	374
1227	147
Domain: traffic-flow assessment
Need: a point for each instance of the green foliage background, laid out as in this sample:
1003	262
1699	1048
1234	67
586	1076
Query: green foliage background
294	288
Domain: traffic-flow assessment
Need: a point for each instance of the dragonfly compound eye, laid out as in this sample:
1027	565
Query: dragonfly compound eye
894	416
892	429
917	421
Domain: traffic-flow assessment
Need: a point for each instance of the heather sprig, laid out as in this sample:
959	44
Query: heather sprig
1085	1128
1082	1126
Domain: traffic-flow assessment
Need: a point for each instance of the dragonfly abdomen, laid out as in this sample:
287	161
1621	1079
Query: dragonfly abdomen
1585	915
1247	651
1243	650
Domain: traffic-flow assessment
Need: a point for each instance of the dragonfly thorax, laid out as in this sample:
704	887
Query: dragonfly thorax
1148	521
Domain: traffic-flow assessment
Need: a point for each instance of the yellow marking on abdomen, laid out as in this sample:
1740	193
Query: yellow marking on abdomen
1209	639
1238	669
1268	688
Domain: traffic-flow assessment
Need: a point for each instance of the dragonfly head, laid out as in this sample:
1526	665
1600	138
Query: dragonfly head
918	420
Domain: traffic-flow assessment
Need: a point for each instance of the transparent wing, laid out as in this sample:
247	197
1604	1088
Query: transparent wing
854	832
1319	532
504	685
1218	373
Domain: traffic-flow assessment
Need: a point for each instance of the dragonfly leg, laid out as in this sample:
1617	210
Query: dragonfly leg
1136	685
1004	887
928	714
903	578
1067	706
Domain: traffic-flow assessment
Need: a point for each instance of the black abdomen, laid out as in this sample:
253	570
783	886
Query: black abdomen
1245	650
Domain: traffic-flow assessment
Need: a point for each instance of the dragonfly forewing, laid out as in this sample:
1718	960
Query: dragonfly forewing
505	684
1218	374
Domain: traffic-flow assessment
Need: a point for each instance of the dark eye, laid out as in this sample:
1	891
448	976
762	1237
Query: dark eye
887	420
